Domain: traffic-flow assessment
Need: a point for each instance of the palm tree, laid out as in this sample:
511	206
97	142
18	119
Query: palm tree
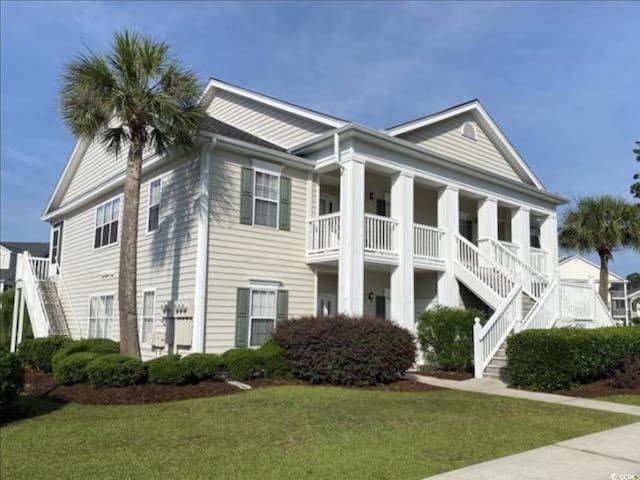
604	224
135	96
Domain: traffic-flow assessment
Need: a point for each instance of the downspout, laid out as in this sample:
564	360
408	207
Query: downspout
202	250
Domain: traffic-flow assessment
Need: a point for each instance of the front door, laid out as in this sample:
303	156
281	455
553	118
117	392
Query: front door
326	305
56	244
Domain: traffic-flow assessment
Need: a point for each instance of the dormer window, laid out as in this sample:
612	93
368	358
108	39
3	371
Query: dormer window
469	131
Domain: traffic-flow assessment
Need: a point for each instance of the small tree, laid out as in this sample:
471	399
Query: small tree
134	97
634	280
603	224
635	188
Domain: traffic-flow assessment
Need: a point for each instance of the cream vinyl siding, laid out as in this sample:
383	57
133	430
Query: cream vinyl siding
446	137
166	258
264	121
239	253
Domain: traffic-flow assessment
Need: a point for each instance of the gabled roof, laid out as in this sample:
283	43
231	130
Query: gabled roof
564	260
488	125
36	249
213	125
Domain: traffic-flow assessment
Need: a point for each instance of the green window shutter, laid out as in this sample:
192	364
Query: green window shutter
282	308
246	196
242	317
285	203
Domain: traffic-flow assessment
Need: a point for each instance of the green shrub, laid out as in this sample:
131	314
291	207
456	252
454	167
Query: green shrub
242	363
11	377
100	346
273	360
204	366
39	352
115	370
446	336
563	357
73	368
345	350
167	370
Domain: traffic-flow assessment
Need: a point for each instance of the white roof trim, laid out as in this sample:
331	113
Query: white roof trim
586	260
476	107
272	102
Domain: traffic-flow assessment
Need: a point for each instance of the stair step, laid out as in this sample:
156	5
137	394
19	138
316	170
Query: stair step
498	362
500	373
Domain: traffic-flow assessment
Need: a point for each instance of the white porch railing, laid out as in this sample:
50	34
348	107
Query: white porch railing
538	260
488	339
533	282
323	233
511	247
380	234
39	267
576	300
428	241
30	270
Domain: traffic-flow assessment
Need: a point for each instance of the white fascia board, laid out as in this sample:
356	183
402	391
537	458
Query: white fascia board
272	102
493	130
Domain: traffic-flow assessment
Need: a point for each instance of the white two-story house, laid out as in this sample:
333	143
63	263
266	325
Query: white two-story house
283	211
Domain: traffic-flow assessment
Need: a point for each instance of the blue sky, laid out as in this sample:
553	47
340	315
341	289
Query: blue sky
561	79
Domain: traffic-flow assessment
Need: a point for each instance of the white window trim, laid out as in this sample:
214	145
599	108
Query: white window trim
159	177
273	173
94	295
259	287
95	217
153	323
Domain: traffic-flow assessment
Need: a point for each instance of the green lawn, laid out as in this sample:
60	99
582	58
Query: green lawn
292	432
628	398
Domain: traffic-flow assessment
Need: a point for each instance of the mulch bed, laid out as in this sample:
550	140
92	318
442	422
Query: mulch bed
601	388
437	373
40	384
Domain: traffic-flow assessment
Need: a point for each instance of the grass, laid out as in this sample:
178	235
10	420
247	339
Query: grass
291	432
627	398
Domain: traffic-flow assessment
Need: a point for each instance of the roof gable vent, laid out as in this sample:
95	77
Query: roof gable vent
469	131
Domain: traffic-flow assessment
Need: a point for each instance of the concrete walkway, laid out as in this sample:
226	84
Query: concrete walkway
496	387
612	454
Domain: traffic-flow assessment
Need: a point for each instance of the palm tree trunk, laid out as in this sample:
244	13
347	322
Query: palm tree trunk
127	281
604	276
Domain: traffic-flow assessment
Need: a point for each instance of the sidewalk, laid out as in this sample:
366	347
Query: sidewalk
496	387
612	454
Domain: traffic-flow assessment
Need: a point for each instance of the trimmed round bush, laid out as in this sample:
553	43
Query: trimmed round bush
73	368
446	337
167	370
115	370
100	346
11	377
561	358
204	366
242	363
345	350
273	360
39	352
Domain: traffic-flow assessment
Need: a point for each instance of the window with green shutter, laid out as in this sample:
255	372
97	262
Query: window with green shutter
265	199
257	312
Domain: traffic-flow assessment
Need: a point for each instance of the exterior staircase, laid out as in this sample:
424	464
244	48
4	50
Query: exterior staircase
497	368
53	308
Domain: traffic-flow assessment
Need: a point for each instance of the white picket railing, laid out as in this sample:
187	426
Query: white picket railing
380	234
512	247
29	272
601	314
533	282
482	267
323	234
576	300
545	312
428	241
488	339
538	259
40	267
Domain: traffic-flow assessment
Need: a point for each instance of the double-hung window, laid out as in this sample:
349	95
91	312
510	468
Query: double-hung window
148	316
107	215
262	316
153	212
266	194
101	316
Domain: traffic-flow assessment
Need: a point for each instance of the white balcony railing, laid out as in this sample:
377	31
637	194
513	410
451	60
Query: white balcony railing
512	247
323	234
380	234
428	242
538	260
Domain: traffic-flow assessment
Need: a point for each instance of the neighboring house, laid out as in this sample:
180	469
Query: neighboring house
8	259
284	211
579	269
633	300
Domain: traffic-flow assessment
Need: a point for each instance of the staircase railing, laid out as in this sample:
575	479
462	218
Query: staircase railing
546	311
488	339
601	313
62	287
576	300
28	272
482	267
534	283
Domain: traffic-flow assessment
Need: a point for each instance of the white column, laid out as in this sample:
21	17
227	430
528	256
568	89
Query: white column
351	269
14	323
487	223
626	305
521	233
402	296
549	240
448	220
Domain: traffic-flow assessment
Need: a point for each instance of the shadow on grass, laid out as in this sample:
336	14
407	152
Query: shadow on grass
28	406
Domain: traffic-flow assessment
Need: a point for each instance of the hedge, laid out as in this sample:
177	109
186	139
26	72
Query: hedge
167	370
273	361
115	370
72	369
345	350
204	367
446	336
100	346
11	377
564	357
39	352
242	363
